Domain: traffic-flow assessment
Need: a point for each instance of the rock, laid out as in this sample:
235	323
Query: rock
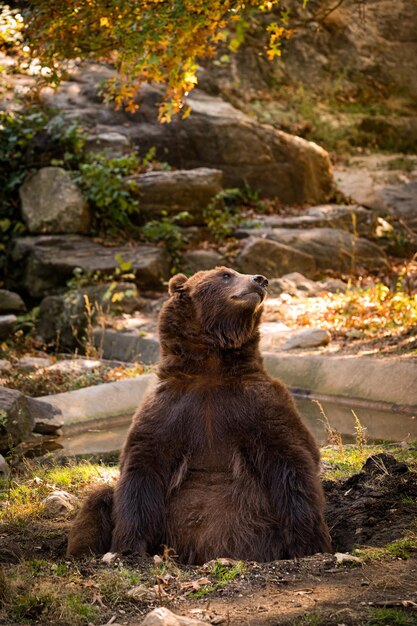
59	503
311	338
44	263
11	302
4	468
342	559
109	557
353	218
48	420
128	346
218	135
7	324
273	335
331	248
53	203
294	284
195	260
63	320
263	256
69	366
33	363
140	592
178	190
334	285
16	421
374	182
5	365
164	617
111	142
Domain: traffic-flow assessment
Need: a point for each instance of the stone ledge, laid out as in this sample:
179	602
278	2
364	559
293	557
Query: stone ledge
389	381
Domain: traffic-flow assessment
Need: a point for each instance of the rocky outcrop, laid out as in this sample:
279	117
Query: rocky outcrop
53	203
218	135
215	135
171	192
44	264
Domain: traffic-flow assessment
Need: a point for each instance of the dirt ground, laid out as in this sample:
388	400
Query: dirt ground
372	513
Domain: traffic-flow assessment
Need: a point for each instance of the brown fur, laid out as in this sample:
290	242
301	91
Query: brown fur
217	462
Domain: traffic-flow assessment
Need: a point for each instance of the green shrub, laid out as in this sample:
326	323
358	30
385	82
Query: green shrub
111	195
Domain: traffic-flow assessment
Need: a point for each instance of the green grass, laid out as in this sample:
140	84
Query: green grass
21	498
391	617
399	549
223	574
350	460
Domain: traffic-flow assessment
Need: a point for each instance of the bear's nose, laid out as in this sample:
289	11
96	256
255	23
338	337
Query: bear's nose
261	280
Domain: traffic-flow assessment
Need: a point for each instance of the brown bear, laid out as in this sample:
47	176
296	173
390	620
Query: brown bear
217	462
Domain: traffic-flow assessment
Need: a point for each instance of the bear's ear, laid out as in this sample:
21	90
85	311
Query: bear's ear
176	284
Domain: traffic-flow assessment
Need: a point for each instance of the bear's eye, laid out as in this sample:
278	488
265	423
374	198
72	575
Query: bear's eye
226	276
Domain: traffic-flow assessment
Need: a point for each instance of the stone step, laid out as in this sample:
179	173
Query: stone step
43	264
127	346
353	218
276	251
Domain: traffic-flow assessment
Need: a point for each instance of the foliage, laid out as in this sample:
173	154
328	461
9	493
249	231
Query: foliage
168	230
372	310
110	193
28	141
148	40
222	214
11	25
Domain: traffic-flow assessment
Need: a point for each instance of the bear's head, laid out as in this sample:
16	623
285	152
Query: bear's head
216	309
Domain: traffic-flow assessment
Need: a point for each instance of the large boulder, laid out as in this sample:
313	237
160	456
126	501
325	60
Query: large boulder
16	420
217	135
331	248
174	191
44	264
263	256
53	203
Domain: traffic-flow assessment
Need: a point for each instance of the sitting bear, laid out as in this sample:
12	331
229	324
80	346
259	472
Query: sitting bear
217	462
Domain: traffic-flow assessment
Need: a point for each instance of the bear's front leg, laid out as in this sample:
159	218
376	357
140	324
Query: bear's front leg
139	511
147	463
297	503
